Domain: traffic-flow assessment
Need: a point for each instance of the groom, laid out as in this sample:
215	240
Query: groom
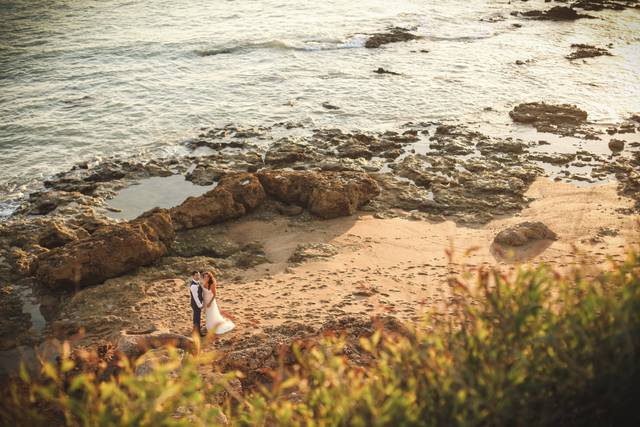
196	300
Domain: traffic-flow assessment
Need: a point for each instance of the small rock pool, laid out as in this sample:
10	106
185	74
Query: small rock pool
149	193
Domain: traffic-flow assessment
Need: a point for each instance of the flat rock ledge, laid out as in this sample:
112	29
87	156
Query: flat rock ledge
115	249
552	118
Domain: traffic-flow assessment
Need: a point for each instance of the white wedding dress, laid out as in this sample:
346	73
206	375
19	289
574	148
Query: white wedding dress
214	320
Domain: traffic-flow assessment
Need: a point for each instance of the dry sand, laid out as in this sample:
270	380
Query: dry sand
383	266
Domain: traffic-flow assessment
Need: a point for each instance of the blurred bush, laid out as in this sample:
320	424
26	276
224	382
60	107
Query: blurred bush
537	348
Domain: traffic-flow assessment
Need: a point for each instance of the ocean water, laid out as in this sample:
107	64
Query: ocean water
82	80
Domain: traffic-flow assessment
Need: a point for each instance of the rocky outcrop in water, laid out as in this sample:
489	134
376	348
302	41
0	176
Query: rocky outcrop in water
326	194
581	51
381	70
394	35
235	195
616	144
556	13
562	118
109	252
598	5
524	233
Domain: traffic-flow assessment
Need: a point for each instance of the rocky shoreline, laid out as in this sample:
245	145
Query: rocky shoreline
103	279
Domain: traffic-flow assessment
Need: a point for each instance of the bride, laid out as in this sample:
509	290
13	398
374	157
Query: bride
215	321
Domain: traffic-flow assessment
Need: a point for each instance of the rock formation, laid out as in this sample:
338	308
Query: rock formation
562	118
394	35
235	195
524	233
556	13
109	252
581	51
326	194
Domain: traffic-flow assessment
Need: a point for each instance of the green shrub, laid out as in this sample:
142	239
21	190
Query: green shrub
538	349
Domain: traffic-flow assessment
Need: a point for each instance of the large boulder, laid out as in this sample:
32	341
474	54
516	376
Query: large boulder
110	251
326	194
235	195
523	233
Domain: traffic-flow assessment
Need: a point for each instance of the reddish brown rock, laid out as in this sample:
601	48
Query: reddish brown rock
57	235
109	252
523	233
326	194
235	195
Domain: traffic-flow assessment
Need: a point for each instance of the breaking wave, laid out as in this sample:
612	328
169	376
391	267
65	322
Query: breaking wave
354	42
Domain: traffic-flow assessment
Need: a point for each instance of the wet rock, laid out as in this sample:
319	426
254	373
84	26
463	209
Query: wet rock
563	118
381	70
361	144
616	145
312	251
235	195
72	185
394	35
523	233
501	146
598	5
42	203
205	174
109	252
329	106
354	150
455	147
556	13
552	158
472	190
586	51
326	194
288	151
105	173
226	137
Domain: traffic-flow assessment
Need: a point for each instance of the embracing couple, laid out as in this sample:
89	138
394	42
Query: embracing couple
203	296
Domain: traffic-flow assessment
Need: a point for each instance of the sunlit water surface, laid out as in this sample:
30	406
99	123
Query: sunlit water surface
90	79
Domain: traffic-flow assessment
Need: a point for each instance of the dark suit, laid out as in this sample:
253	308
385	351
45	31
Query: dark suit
197	311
